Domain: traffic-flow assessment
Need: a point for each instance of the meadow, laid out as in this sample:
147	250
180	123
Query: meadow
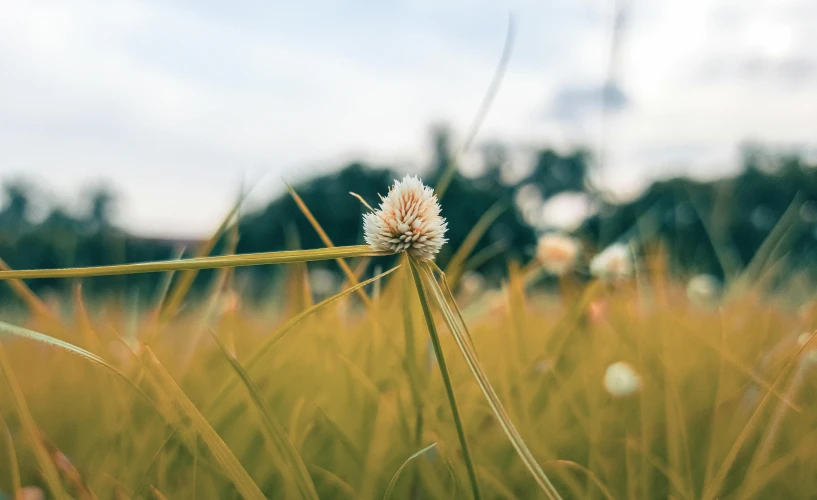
412	384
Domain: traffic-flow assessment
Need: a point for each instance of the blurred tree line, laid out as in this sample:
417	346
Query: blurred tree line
717	227
698	222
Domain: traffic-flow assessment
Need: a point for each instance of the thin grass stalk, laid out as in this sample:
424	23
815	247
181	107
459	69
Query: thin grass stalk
777	236
449	388
711	490
143	481
589	473
230	464
414	376
763	449
463	339
16	331
726	356
335	480
174	299
274	430
350	275
456	265
16	484
278	335
216	262
34	303
47	467
396	475
484	107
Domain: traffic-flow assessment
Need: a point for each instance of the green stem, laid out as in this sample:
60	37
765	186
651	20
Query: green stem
449	388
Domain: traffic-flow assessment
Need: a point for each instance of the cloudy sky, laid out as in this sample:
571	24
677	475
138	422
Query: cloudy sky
177	103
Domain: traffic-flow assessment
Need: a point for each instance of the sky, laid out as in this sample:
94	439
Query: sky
176	105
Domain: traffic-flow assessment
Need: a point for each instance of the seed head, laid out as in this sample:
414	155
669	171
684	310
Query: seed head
621	379
703	289
557	253
614	262
408	220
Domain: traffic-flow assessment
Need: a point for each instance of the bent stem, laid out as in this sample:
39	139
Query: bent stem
449	388
463	338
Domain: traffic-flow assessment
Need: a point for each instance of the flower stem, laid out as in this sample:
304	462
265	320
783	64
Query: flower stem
449	388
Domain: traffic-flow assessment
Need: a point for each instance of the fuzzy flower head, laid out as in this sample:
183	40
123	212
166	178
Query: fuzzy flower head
703	289
408	220
621	380
614	262
557	253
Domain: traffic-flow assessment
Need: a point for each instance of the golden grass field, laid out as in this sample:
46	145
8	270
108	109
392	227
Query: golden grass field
397	387
351	389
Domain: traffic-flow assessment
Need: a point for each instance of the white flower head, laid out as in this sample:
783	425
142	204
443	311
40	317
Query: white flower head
621	379
408	220
557	253
703	288
614	262
810	358
803	338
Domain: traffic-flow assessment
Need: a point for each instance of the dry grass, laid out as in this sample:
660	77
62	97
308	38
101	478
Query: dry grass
348	394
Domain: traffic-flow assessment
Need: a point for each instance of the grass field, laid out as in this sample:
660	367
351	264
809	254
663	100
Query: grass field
347	398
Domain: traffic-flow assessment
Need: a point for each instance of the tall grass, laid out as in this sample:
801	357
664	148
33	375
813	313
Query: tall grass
337	401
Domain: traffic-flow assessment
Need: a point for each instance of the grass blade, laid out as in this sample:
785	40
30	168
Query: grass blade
47	467
274	430
484	107
216	262
396	475
158	495
769	247
589	473
276	337
457	264
711	490
16	484
229	463
174	300
335	480
34	304
449	388
350	275
153	461
19	332
460	332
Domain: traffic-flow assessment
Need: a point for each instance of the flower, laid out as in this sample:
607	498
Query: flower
621	379
408	220
810	358
31	493
703	288
614	262
543	366
557	253
803	338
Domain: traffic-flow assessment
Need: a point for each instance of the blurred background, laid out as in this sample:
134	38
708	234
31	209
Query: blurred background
129	129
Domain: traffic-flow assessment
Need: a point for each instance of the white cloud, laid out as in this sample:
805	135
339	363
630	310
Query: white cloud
176	103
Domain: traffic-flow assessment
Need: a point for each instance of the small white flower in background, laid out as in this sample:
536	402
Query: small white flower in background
803	338
621	379
408	220
557	253
31	493
322	281
543	366
471	285
614	262
810	358
230	302
703	288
